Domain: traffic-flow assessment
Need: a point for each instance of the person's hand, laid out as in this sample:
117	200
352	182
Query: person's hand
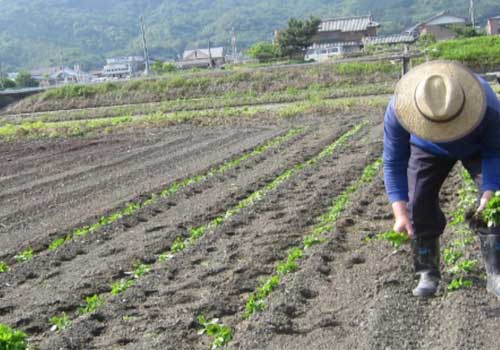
402	222
485	198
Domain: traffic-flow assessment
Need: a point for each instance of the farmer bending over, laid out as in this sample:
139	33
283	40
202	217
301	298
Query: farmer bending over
440	113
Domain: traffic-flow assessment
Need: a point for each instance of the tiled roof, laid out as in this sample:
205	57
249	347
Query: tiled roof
216	52
389	39
347	24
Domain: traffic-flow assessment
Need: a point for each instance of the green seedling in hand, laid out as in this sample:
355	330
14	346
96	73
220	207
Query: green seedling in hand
394	238
491	214
11	339
61	322
220	334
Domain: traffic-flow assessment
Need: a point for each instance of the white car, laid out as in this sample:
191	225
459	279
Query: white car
323	53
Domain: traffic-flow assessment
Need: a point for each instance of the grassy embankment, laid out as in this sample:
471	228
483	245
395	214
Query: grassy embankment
480	53
241	87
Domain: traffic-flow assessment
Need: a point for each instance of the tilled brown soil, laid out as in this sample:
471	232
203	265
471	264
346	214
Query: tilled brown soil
48	187
347	293
352	294
215	276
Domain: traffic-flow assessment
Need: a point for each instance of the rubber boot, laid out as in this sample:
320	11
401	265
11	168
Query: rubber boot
426	261
490	248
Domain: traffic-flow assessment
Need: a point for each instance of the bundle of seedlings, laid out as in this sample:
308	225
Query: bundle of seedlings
487	224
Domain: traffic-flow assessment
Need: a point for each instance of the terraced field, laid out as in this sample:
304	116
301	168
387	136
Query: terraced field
255	234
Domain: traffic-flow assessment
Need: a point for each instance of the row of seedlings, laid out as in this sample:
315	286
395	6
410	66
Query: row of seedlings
133	207
221	334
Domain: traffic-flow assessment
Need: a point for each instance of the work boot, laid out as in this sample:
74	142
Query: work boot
490	247
426	261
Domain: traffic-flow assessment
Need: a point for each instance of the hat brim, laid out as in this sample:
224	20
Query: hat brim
416	123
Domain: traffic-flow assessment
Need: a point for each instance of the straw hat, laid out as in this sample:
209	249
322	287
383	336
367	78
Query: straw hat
440	101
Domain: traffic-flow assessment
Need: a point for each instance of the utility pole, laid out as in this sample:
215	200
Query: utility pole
234	52
145	47
1	77
472	13
211	63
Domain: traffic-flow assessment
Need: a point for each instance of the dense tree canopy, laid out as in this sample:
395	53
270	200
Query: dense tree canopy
36	33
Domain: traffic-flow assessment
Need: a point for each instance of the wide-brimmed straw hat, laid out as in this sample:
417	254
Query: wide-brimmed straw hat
440	101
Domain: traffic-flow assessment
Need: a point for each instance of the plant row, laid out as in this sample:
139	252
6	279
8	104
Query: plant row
133	207
93	302
313	106
454	256
229	99
257	301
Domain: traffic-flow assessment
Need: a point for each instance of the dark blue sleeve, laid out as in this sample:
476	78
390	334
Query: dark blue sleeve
396	156
490	145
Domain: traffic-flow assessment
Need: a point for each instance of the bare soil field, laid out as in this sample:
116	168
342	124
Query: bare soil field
157	226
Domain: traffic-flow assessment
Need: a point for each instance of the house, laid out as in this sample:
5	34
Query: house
202	58
493	26
346	33
124	67
56	75
439	26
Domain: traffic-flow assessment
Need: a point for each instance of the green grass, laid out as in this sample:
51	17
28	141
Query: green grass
483	51
12	339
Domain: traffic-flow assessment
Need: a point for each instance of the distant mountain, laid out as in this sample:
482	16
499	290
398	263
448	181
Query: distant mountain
36	33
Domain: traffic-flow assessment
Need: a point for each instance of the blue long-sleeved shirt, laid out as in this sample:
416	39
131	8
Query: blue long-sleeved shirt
485	139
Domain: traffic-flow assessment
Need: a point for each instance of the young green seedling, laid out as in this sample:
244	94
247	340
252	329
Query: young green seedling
11	339
140	270
58	243
25	255
451	256
464	267
121	286
220	334
3	267
459	283
92	303
60	322
178	246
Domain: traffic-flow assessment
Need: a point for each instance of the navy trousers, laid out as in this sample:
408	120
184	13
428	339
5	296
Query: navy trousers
426	174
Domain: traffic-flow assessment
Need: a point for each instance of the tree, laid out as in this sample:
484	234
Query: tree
264	51
163	67
295	40
24	79
6	83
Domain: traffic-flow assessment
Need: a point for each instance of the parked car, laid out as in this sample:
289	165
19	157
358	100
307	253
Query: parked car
322	54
